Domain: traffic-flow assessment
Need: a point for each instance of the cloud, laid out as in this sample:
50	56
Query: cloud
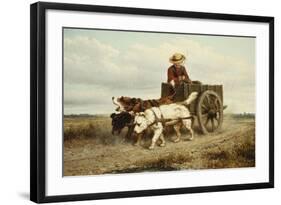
94	71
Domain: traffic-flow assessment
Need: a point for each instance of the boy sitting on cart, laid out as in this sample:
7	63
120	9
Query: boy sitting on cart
177	72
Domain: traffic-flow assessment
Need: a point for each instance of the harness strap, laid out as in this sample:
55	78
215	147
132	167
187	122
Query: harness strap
162	118
156	118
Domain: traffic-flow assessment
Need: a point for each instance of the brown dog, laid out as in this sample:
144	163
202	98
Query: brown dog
135	105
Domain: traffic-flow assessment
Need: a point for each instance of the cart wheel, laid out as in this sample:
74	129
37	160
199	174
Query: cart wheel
209	112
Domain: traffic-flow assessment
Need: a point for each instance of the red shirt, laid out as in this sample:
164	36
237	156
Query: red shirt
177	74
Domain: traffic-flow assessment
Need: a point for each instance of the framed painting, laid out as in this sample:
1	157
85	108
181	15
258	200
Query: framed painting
129	102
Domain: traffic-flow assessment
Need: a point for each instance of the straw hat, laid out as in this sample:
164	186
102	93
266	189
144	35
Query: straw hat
177	58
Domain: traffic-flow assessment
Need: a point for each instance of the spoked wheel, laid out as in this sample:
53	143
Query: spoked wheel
209	112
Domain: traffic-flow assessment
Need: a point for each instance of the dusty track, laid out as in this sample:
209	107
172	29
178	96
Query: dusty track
231	147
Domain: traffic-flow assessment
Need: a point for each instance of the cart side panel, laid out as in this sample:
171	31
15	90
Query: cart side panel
165	90
219	91
216	88
183	91
204	88
180	92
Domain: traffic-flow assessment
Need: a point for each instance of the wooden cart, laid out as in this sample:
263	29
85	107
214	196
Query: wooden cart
207	108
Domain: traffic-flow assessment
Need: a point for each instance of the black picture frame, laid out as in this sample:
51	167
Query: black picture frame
38	100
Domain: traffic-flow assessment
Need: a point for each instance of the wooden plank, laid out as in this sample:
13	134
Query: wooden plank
219	90
197	88
165	89
192	88
179	93
201	88
216	88
185	90
221	93
205	87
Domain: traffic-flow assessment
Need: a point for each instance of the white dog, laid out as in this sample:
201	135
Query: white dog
176	114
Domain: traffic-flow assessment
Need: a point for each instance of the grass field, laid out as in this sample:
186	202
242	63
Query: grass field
89	148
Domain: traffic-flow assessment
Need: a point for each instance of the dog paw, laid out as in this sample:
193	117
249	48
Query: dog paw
151	147
176	140
162	145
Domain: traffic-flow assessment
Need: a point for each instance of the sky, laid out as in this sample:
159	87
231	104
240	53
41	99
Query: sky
99	64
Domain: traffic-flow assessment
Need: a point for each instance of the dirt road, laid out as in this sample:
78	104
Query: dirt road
233	146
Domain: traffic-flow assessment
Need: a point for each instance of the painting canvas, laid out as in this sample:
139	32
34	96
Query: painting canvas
138	101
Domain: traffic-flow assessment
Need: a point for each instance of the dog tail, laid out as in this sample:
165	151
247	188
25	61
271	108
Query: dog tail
191	98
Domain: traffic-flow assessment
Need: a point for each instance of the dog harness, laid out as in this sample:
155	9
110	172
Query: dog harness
164	121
